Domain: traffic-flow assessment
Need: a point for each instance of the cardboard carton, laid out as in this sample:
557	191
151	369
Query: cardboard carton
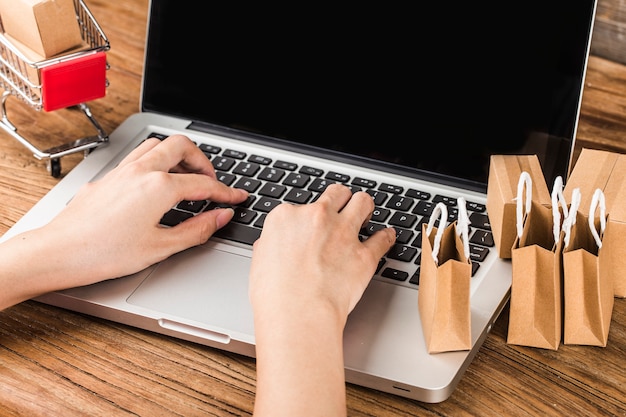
48	27
597	169
607	171
27	67
30	65
504	175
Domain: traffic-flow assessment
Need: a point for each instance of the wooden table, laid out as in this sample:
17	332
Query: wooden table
54	362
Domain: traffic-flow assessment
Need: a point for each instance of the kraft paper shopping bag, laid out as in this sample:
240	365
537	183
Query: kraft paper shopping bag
535	314
607	171
446	270
588	286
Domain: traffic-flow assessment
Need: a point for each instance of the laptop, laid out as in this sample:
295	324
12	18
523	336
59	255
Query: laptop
404	102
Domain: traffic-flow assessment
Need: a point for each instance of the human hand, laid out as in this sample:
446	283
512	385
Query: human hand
309	269
312	253
112	225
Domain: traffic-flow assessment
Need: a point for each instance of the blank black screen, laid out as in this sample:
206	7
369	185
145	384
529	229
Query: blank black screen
436	87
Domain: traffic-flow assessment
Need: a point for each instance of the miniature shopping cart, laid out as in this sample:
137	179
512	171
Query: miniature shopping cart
64	81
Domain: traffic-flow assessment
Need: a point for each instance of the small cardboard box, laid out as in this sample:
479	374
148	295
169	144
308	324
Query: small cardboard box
30	66
597	169
48	27
504	174
607	171
30	71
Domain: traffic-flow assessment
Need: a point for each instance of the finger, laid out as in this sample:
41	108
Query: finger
178	151
380	242
196	230
359	208
202	187
335	196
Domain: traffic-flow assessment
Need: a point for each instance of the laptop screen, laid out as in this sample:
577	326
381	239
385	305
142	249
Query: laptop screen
431	88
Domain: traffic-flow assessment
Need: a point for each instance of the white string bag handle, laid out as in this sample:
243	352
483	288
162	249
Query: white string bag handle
570	219
440	211
462	225
598	198
524	181
558	198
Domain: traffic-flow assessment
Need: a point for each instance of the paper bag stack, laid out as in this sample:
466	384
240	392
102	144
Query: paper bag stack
564	253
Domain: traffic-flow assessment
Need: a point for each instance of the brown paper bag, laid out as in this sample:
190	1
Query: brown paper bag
535	314
444	293
607	171
588	287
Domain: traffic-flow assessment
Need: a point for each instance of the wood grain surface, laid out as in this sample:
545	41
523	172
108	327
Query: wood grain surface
58	363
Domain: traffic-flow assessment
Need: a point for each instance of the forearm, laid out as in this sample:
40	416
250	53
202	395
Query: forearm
31	265
300	368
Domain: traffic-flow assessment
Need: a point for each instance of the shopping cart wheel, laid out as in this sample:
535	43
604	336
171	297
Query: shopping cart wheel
54	167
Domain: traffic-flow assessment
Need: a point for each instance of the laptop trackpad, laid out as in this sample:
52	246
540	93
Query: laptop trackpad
208	286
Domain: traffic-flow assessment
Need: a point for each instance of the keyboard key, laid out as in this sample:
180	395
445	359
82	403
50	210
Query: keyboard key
475	266
402	219
378	196
319	185
395	274
272	190
225	177
223	164
246	168
244	215
398	202
260	221
248	184
271	174
380	214
448	201
298	196
402	253
420	195
424	208
260	159
231	153
336	176
390	188
315	172
480	220
362	182
370	228
285	165
483	238
191	206
295	179
478	253
174	217
403	235
239	233
381	263
477	207
266	204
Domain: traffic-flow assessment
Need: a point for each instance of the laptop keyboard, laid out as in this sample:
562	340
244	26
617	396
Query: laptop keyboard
272	182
